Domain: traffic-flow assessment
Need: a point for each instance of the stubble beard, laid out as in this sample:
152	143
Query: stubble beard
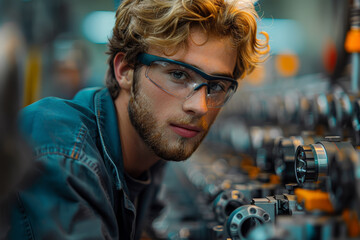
154	134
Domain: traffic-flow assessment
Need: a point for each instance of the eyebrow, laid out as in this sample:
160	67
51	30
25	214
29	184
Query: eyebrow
220	74
223	75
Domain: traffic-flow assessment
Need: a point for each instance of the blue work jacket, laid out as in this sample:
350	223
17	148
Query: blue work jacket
77	188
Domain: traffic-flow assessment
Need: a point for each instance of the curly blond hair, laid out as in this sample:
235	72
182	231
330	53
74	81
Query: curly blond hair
166	24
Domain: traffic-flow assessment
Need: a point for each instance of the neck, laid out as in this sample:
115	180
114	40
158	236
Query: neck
137	156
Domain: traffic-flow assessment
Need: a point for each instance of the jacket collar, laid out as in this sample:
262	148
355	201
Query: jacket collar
107	124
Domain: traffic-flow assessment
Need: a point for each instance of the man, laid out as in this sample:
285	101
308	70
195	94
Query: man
99	157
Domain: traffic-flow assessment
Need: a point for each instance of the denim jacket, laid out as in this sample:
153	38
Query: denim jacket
78	189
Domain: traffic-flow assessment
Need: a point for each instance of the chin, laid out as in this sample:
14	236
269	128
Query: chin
178	152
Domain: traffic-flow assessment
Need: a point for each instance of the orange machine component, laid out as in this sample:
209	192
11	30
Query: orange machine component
352	222
248	165
314	200
252	171
274	179
352	41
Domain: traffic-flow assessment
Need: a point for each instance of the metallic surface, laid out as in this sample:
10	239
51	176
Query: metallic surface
244	219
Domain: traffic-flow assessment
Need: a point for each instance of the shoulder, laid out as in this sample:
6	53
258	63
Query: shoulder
58	121
70	129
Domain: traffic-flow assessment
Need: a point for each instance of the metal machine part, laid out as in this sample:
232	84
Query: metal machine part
226	202
312	161
244	219
284	151
343	179
305	168
279	205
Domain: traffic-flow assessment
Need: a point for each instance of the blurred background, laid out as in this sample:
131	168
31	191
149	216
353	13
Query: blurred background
64	42
293	124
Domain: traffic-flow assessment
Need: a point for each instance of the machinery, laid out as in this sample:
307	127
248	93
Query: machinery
312	192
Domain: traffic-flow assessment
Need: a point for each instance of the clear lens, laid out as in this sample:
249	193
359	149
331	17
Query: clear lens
181	82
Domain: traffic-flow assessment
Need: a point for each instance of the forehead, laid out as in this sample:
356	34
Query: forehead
212	54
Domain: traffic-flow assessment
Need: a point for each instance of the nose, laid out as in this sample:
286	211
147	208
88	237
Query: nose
197	104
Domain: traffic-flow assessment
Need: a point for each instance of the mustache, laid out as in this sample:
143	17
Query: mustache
189	120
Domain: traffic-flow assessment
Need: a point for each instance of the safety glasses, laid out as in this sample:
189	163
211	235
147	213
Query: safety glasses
183	80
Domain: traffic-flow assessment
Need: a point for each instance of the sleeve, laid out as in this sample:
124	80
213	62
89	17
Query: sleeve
65	199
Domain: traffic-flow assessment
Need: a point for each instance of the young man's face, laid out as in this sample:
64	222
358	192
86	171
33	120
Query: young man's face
173	128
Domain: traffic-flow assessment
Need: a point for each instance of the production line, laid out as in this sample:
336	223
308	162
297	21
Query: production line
307	187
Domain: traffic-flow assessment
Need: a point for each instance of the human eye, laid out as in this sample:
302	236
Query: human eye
217	86
178	74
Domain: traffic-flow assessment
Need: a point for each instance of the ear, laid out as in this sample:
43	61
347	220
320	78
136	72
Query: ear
123	72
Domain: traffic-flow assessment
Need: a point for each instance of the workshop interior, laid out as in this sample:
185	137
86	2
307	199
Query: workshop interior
282	161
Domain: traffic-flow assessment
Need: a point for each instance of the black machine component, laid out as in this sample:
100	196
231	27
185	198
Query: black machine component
277	205
284	161
284	157
284	152
344	179
306	169
312	161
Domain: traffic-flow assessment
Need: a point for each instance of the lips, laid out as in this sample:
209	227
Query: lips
185	131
